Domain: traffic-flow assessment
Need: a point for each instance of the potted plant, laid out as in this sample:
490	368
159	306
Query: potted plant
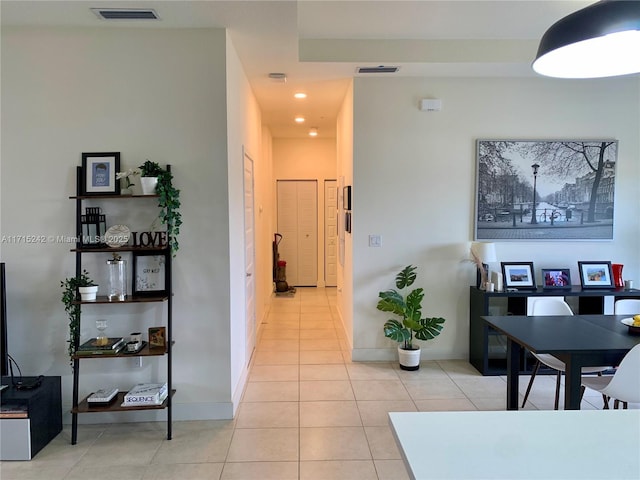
168	200
408	306
71	287
149	175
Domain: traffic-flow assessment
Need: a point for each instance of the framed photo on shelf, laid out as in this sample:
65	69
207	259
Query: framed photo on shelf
595	274
518	275
149	274
157	338
99	173
556	278
347	222
346	197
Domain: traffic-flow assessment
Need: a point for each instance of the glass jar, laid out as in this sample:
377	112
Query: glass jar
117	278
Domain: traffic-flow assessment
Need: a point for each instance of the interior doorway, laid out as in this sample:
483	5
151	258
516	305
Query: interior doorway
249	258
297	205
330	233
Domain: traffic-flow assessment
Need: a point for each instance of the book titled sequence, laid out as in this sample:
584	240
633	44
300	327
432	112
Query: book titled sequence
146	394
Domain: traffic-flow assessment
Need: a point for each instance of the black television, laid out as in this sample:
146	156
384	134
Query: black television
4	359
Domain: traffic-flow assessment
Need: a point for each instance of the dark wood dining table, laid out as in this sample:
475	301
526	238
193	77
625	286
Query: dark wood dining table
578	340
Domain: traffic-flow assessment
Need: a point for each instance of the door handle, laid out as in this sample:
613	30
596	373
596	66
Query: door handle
249	274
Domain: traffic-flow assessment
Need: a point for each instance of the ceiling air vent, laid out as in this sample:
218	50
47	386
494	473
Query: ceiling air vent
378	69
125	13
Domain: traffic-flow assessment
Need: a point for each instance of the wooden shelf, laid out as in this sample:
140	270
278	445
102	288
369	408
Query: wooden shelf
110	197
103	299
125	248
144	352
163	297
115	406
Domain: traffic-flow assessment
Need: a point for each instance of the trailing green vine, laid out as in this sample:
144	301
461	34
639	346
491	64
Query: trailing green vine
69	299
168	201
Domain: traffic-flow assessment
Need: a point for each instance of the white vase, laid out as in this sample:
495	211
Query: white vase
88	293
409	359
148	185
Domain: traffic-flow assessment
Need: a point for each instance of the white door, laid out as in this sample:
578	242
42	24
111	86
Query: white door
330	233
249	258
298	225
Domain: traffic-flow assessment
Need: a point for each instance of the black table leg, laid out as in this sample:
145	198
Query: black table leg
513	371
572	382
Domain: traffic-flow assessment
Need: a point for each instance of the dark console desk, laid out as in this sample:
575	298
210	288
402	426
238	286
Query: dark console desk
22	438
488	347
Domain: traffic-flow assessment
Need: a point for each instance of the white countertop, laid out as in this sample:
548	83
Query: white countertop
564	444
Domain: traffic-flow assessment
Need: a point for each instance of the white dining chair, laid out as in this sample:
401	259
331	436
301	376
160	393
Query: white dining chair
624	385
550	307
627	306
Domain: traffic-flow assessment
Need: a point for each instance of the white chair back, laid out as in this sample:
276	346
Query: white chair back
550	306
625	384
627	306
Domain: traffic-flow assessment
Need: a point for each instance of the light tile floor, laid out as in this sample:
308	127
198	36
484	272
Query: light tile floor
307	413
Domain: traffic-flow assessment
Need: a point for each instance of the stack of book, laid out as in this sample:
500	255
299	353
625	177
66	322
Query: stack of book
144	394
13	411
94	347
102	397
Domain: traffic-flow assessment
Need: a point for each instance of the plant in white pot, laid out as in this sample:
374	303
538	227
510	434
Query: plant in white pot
407	305
70	289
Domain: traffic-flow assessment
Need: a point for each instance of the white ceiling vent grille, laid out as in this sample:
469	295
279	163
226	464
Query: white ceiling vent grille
378	69
126	13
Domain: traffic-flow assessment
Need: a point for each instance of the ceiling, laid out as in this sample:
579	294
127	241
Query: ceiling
319	44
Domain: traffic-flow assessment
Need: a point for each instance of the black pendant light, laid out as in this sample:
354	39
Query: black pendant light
601	40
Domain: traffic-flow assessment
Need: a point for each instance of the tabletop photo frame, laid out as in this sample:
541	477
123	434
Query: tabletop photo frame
518	275
556	278
149	274
595	274
99	173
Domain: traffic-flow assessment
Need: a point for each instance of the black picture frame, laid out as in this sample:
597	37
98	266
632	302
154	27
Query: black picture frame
99	173
346	197
556	279
347	222
149	274
595	274
518	275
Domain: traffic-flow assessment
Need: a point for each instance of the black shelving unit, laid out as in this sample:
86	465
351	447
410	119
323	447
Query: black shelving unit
487	347
80	405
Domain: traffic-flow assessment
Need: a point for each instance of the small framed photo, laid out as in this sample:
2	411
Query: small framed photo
149	274
157	338
595	274
346	197
347	222
99	173
518	275
553	278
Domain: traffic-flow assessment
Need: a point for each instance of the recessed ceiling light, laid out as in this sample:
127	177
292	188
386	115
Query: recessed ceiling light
313	132
299	119
300	95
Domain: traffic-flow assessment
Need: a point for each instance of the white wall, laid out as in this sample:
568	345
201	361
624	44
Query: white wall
344	140
154	94
306	159
244	125
414	184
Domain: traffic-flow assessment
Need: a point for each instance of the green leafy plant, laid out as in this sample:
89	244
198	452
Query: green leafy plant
72	307
168	201
409	308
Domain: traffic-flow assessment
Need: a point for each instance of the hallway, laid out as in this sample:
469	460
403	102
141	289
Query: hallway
307	413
